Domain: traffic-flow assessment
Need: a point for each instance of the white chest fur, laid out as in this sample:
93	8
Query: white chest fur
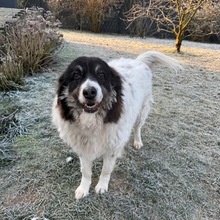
89	135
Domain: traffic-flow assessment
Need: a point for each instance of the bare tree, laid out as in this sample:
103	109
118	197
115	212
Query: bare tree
100	10
70	12
173	16
92	12
206	23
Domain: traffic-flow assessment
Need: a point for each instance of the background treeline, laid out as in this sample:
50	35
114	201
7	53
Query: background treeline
109	16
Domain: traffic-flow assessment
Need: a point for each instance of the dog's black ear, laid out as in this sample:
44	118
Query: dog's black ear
61	79
65	110
115	112
60	89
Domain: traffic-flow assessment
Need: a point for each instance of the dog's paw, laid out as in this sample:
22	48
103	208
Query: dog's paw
138	144
101	188
81	192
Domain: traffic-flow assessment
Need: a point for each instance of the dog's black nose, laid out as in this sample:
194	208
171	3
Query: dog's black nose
90	92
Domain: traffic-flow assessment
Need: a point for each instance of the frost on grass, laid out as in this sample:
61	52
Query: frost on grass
174	176
21	110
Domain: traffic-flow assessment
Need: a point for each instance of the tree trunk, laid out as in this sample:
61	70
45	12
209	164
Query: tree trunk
178	42
95	27
95	24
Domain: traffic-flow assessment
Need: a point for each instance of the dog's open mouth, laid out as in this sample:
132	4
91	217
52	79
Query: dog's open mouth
91	107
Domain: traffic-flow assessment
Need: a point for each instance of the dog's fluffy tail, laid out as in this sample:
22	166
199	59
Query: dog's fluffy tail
152	58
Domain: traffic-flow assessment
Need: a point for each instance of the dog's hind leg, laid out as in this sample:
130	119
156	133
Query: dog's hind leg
140	122
107	168
137	136
86	169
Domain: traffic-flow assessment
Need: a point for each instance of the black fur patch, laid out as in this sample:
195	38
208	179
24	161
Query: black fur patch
65	110
114	113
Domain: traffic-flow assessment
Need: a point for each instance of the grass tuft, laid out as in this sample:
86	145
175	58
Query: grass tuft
27	47
9	129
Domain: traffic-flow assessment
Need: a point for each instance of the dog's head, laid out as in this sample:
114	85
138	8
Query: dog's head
89	84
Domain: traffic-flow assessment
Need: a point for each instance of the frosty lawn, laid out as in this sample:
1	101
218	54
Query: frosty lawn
175	175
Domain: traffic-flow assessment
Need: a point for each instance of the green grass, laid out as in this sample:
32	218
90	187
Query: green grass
174	176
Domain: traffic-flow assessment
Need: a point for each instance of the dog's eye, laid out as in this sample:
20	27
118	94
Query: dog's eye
101	75
77	75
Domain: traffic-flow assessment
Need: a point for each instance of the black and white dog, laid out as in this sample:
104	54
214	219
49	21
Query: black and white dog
98	104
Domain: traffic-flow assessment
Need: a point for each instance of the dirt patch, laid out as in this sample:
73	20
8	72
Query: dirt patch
24	198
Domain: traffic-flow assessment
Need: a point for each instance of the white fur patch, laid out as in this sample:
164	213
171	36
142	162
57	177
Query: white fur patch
90	83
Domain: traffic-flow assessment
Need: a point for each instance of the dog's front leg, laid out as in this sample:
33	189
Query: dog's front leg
86	170
108	166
